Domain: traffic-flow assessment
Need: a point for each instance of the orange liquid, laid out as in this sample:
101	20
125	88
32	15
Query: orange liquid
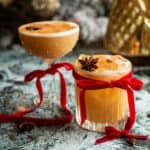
104	106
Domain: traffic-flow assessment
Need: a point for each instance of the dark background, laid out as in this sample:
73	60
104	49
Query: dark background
91	15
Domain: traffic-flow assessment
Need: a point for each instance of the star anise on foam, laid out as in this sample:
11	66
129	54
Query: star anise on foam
89	63
32	28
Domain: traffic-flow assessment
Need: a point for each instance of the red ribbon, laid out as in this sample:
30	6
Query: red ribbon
38	74
128	83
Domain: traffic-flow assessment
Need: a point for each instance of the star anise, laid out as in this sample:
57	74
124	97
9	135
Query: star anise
32	28
89	63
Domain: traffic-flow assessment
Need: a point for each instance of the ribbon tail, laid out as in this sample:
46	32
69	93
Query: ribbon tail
132	112
63	98
40	91
11	117
82	107
63	91
138	137
106	138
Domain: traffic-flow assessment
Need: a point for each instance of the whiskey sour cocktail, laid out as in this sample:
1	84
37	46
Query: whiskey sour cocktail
107	106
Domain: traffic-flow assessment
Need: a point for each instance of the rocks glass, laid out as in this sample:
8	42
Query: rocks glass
103	107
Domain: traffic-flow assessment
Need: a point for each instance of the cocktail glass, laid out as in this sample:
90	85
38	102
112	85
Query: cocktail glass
49	43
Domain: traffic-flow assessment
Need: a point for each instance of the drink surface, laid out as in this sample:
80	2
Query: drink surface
47	27
49	39
109	67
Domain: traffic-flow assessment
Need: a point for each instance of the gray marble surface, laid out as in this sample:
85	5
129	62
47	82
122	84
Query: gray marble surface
14	93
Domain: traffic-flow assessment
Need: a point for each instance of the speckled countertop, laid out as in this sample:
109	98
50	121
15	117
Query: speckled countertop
13	93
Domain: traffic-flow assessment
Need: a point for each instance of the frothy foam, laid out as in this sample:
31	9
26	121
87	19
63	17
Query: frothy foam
49	28
108	65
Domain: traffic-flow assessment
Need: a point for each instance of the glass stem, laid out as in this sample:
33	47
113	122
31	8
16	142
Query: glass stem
52	88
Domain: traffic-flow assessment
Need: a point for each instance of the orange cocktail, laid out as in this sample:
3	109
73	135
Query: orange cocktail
49	39
107	106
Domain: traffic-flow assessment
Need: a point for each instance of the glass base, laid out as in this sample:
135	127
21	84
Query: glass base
100	127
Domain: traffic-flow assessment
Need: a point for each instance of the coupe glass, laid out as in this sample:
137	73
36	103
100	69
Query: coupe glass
49	43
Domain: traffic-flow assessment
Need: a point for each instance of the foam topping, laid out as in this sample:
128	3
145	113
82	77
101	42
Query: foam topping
47	27
107	65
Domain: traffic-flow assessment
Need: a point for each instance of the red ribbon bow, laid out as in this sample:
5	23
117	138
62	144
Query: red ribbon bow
38	74
112	133
128	83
